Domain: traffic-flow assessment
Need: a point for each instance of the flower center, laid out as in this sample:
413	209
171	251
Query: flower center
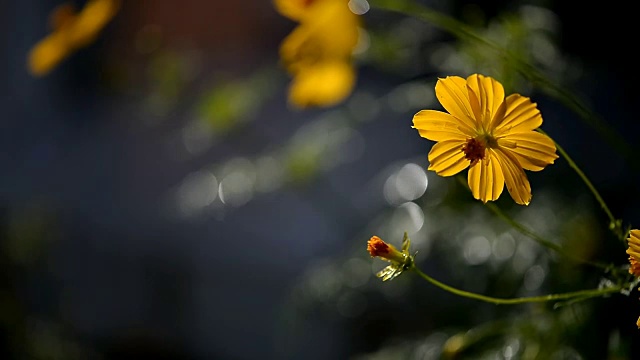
474	150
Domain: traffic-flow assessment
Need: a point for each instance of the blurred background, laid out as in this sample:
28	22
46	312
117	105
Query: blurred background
161	198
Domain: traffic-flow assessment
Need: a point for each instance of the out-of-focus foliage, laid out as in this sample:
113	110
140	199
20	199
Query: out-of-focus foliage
485	255
530	34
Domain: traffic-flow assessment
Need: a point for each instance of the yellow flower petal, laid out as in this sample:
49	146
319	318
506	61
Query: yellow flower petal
94	17
70	32
446	158
634	247
324	84
633	253
634	240
318	53
485	95
453	95
293	9
62	16
521	115
330	30
296	50
439	126
48	53
486	179
533	150
329	33
515	178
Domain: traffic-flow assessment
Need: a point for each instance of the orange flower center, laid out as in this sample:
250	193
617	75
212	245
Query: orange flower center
474	150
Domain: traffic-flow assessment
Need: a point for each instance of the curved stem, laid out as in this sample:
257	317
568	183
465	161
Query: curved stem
535	237
583	294
615	225
464	32
540	240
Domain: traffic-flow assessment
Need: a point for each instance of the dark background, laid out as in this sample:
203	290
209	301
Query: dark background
99	261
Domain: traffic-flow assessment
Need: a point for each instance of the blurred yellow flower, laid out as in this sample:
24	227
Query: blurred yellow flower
318	52
488	132
71	31
293	9
634	252
400	260
323	84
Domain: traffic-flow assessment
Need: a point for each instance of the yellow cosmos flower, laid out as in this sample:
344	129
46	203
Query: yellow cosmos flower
318	53
491	134
634	252
71	31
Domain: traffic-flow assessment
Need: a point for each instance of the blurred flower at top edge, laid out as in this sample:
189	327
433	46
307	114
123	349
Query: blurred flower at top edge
71	30
318	52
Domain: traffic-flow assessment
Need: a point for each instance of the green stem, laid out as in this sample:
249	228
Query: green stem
540	240
464	32
583	294
535	237
615	225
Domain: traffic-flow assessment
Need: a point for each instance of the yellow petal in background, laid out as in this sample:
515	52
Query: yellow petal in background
334	27
329	33
446	158
70	32
95	15
298	50
62	16
440	126
318	53
453	95
293	9
48	53
323	84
